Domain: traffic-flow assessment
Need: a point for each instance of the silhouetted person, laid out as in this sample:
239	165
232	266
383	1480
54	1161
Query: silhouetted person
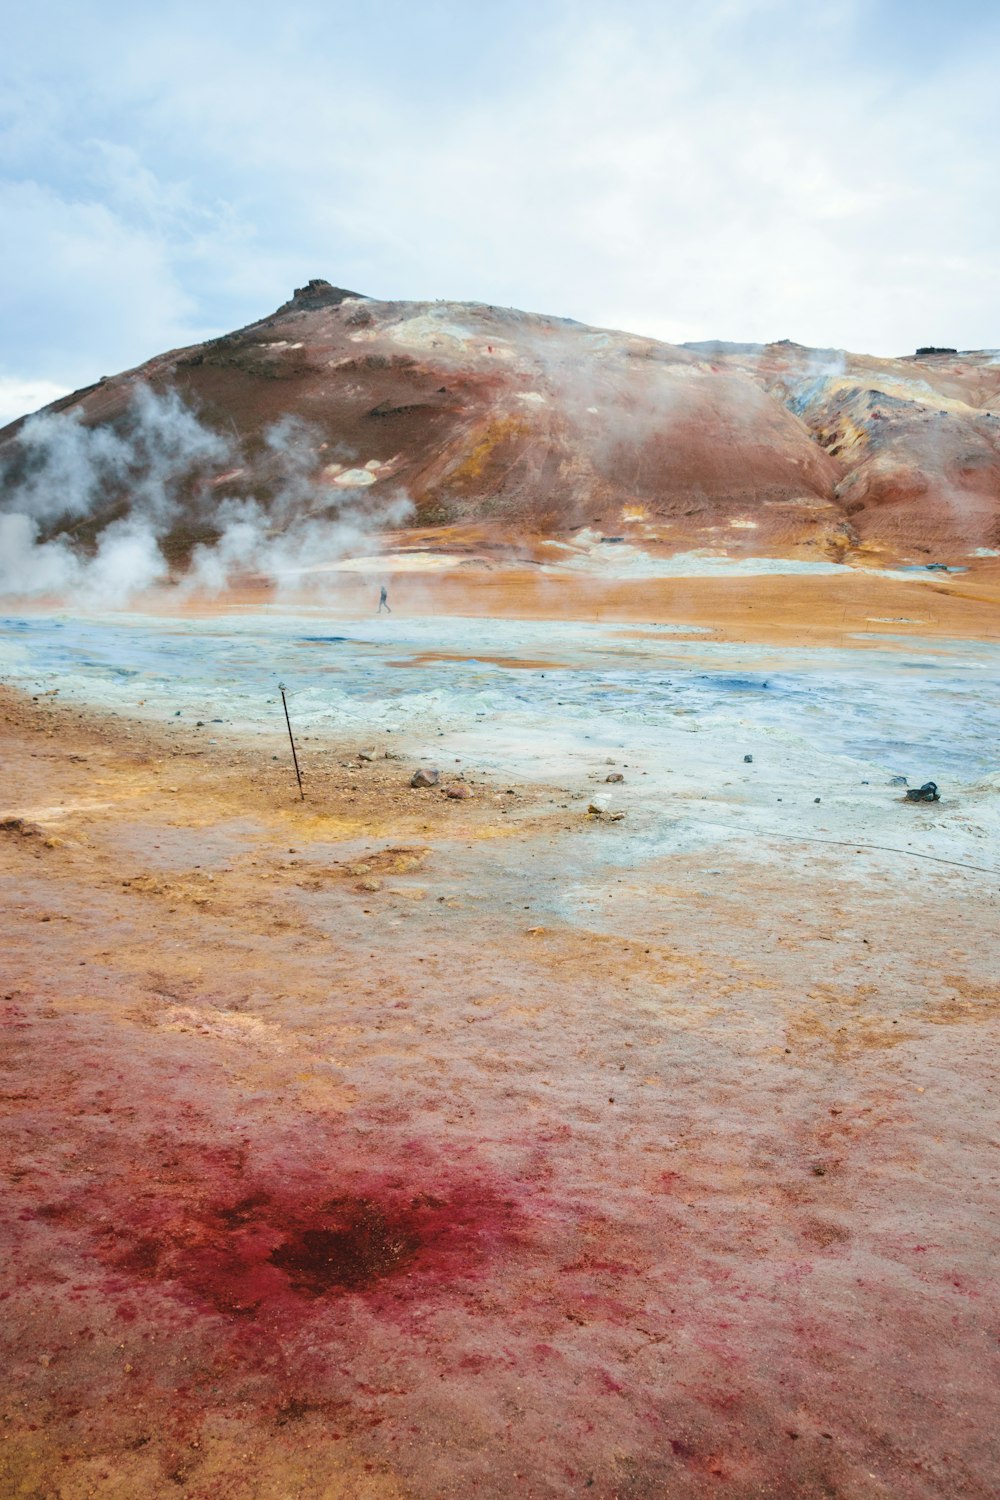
383	601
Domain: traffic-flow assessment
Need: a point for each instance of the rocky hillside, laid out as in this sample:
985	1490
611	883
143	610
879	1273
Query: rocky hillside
530	425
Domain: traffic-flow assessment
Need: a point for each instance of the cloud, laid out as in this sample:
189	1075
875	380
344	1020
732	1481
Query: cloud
19	397
743	168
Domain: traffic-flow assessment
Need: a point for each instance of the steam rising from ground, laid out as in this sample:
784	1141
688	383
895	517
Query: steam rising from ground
86	510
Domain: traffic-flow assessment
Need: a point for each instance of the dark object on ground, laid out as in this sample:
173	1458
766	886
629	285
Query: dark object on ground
425	778
22	826
748	760
936	567
816	799
610	540
926	793
897	781
933	349
614	776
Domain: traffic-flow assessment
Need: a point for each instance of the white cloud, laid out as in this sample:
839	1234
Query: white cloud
742	168
19	398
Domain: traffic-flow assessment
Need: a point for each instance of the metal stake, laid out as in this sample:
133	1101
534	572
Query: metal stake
291	741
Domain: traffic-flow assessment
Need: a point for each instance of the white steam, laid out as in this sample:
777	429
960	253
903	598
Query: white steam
127	486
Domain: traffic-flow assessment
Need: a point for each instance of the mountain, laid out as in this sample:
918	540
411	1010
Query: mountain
522	426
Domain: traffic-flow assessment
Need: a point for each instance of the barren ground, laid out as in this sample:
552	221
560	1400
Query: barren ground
337	1167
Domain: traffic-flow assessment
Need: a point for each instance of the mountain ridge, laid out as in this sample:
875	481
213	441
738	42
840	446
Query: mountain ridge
527	425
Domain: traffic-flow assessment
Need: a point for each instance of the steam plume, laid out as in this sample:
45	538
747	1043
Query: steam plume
85	510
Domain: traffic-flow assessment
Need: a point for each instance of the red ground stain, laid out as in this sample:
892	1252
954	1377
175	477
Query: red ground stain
256	1249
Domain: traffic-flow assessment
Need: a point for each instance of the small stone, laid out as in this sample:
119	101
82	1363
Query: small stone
897	781
459	791
610	762
926	793
371	884
614	776
748	760
616	817
598	805
425	778
366	755
816	799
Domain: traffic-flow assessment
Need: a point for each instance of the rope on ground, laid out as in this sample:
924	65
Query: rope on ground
809	838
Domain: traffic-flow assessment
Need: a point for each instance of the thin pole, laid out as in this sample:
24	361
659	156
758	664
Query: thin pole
291	741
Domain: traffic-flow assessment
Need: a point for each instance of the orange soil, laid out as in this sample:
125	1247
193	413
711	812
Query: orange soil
766	609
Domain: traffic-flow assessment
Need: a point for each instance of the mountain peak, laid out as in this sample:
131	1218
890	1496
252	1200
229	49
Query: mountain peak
315	294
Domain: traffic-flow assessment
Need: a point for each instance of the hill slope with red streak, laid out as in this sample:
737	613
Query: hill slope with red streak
529	425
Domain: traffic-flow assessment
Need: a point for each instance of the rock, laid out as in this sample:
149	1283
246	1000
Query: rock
926	793
897	781
366	755
816	799
426	778
610	762
459	791
616	817
598	805
315	294
614	776
748	760
22	826
371	884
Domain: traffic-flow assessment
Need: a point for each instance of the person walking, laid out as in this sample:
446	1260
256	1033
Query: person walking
383	601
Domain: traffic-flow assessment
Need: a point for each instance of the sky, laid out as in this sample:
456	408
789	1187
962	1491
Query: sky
733	169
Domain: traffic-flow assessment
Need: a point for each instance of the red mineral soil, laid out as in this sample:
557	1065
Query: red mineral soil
334	1170
530	427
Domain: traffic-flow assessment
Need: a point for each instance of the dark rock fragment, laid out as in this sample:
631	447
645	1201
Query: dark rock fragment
926	793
